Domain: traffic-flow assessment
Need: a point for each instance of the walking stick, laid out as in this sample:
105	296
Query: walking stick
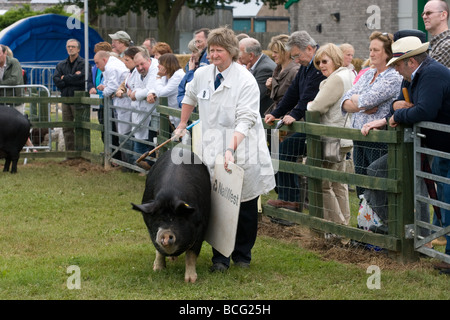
145	155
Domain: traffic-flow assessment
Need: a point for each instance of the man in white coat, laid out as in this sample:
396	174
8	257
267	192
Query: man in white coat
114	73
231	126
144	113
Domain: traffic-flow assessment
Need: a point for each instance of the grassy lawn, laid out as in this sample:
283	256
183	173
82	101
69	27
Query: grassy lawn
55	215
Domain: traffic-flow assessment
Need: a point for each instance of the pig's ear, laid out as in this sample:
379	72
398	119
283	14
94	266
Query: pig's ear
147	208
182	208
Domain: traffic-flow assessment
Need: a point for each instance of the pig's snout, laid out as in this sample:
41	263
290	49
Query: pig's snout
167	240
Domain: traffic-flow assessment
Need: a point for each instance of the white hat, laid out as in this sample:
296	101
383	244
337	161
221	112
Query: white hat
120	35
407	47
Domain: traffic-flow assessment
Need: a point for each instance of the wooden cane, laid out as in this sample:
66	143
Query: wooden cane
406	94
145	155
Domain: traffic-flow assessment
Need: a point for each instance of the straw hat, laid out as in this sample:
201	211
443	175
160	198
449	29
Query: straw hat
407	47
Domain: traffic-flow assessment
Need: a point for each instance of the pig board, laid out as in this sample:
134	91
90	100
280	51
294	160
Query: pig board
225	203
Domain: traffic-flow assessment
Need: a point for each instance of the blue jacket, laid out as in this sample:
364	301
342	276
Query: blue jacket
302	90
429	91
189	76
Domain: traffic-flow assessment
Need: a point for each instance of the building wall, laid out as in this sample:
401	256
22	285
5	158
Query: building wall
355	25
140	26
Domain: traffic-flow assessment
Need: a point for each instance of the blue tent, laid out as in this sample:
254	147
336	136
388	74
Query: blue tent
41	40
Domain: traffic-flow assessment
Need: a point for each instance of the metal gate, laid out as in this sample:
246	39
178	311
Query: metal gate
424	231
36	111
122	144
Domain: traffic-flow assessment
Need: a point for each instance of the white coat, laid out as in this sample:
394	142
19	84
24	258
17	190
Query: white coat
115	73
234	106
169	88
141	87
328	100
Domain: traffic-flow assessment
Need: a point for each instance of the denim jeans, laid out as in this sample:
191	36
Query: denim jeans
142	148
364	153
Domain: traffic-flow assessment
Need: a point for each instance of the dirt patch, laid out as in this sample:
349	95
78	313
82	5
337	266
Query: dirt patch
82	165
335	249
78	164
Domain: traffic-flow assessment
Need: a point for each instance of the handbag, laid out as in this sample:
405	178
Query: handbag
331	148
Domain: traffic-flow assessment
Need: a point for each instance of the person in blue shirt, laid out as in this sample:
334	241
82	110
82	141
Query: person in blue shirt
97	79
200	41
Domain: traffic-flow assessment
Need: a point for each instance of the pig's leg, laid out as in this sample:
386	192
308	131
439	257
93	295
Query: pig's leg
191	260
160	261
7	163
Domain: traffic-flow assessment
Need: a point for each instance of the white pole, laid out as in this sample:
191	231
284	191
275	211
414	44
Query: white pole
86	44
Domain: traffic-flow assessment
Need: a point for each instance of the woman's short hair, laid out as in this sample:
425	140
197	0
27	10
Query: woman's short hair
331	50
225	38
131	51
346	47
387	39
192	47
162	48
170	62
102	46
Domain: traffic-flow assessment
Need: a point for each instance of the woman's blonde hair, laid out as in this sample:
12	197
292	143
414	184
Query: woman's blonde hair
332	51
278	43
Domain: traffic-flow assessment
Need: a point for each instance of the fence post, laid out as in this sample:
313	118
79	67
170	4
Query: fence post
82	114
400	156
107	101
313	158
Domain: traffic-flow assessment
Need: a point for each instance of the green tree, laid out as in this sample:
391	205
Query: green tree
166	11
17	13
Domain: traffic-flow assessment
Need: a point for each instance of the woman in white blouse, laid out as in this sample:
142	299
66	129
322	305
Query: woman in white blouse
329	59
169	77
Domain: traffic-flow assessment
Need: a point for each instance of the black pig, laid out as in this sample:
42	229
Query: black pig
176	207
14	133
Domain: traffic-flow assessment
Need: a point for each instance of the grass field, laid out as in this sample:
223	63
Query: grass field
59	214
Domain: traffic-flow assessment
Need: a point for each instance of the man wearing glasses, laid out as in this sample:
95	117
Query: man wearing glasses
302	90
435	18
200	37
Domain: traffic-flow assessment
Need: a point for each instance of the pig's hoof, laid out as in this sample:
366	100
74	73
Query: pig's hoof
190	277
158	266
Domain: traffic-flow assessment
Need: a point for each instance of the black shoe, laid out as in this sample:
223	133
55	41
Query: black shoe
242	264
218	267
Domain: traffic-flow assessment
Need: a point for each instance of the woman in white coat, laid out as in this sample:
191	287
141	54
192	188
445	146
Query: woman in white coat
168	79
231	126
329	60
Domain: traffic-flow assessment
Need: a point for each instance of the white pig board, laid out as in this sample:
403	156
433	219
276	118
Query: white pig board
225	203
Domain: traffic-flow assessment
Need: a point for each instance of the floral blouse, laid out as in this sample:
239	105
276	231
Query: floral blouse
381	93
